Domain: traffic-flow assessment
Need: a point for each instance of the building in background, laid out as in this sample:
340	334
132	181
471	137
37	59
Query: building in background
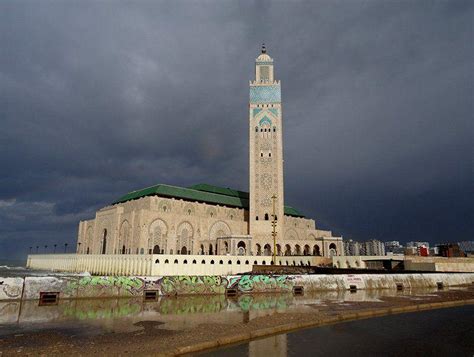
450	250
394	248
374	247
353	248
467	247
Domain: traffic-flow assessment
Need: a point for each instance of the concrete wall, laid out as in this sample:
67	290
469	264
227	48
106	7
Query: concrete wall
71	287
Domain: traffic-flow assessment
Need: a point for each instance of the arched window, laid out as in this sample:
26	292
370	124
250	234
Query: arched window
238	262
212	261
230	262
185	261
256	129
266	216
166	261
269	154
221	262
194	261
274	129
256	218
203	262
157	261
264	263
176	261
255	263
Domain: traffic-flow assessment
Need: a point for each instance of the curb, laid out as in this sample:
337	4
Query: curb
286	328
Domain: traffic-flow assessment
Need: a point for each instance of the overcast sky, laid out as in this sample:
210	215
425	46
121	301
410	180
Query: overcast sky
101	98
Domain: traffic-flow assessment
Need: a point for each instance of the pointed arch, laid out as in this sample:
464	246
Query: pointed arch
219	229
157	235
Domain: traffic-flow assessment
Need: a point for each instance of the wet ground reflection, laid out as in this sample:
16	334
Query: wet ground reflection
426	333
174	313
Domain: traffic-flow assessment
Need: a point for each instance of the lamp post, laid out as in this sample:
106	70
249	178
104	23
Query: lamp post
54	249
65	247
45	247
274	232
79	247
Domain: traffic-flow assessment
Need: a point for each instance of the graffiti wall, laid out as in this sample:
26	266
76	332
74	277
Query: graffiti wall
11	288
71	287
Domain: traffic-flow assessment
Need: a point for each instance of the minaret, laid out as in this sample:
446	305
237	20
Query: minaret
266	154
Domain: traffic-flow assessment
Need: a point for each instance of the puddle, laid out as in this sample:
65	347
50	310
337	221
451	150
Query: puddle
98	316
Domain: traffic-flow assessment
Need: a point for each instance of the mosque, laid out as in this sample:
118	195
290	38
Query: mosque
209	220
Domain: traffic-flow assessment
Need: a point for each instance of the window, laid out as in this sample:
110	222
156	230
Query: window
266	216
256	218
230	262
247	262
166	261
212	261
256	129
274	129
269	154
261	154
203	262
185	261
221	262
157	261
176	261
264	73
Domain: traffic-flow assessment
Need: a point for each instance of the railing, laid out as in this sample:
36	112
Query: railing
160	264
95	264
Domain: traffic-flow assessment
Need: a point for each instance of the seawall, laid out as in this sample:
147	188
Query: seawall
77	287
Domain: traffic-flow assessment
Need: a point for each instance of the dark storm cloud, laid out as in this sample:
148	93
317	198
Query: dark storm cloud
101	98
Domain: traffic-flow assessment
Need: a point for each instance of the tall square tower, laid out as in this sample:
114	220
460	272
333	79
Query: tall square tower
266	156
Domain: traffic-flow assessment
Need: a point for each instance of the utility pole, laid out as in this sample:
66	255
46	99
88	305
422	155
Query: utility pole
274	232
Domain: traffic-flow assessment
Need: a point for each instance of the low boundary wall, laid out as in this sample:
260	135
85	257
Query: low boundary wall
161	264
75	287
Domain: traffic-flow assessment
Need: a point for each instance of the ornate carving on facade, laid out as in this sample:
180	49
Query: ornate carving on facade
219	229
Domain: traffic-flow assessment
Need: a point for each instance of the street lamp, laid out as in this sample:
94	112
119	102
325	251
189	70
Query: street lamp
79	247
45	247
65	247
54	250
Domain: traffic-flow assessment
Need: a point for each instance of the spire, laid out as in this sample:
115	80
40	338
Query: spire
264	49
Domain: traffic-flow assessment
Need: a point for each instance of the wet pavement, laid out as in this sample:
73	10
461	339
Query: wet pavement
96	316
444	332
103	325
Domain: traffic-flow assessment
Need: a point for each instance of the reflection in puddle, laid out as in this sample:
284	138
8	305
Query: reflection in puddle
175	313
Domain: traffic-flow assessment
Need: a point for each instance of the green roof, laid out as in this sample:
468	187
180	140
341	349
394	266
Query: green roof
201	193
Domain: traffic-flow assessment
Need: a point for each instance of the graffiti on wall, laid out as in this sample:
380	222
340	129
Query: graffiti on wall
183	285
260	283
186	285
96	286
11	288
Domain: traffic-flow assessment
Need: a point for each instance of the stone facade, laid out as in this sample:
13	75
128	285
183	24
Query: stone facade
164	225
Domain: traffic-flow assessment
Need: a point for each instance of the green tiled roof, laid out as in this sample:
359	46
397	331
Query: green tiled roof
200	193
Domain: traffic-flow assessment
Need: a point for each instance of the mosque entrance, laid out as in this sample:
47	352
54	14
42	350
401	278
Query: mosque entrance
184	250
156	249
